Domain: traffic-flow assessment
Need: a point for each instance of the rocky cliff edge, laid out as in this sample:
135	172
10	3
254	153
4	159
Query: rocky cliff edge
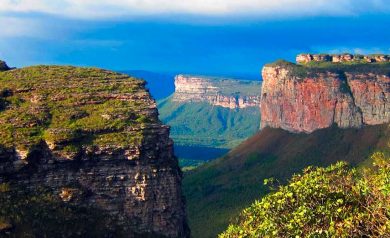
224	92
93	138
301	98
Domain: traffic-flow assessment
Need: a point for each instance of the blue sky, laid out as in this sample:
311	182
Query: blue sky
194	36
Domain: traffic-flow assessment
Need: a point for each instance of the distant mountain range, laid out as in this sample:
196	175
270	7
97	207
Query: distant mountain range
208	115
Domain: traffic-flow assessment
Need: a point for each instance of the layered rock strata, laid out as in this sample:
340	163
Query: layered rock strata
341	58
94	139
222	92
301	99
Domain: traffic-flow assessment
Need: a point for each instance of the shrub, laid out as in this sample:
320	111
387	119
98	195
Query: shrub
323	202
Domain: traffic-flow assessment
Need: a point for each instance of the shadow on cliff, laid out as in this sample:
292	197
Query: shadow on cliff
40	213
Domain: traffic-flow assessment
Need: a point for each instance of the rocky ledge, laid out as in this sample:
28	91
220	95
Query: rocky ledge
342	58
229	93
306	98
93	139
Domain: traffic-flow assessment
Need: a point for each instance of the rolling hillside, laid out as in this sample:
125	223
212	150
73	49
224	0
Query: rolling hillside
217	191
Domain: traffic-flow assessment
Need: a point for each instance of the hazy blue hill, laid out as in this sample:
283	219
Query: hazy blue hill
161	85
217	191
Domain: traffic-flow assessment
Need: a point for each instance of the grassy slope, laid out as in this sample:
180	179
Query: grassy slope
202	124
217	191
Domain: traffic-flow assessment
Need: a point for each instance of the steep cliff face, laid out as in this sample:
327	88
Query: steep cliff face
222	92
93	138
303	99
371	93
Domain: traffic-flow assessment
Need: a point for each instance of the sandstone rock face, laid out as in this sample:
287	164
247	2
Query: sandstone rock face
102	146
304	58
371	94
341	58
304	104
227	93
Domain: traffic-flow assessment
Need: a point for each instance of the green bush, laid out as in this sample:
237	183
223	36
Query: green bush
323	202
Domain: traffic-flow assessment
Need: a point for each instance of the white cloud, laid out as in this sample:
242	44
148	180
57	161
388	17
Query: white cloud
19	27
34	27
133	8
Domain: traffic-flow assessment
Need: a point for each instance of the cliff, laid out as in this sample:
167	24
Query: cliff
91	138
301	98
210	112
228	93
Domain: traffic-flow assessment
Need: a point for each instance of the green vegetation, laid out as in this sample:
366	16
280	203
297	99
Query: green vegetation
323	202
69	105
218	191
201	124
314	68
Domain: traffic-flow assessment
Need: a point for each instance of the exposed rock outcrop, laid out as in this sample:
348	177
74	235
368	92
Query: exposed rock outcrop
341	58
94	139
302	99
222	92
3	66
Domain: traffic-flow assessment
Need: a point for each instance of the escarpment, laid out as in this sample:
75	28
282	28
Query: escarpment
301	98
222	92
91	138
